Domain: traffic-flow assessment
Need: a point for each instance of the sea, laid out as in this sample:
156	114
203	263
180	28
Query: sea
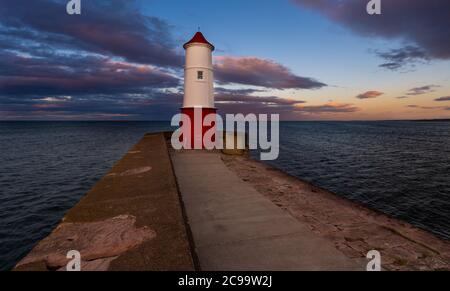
401	168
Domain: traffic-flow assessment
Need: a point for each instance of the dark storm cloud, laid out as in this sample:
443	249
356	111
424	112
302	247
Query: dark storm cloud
260	72
422	90
107	27
423	24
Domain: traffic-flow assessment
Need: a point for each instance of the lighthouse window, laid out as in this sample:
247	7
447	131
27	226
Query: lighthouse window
199	75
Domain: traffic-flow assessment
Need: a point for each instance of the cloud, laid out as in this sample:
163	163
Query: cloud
232	101
153	105
157	104
403	57
428	107
247	91
224	95
260	72
369	95
55	99
330	107
113	28
422	90
112	61
446	98
73	74
422	24
250	99
235	101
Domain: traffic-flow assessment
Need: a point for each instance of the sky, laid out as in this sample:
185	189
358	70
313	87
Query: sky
302	59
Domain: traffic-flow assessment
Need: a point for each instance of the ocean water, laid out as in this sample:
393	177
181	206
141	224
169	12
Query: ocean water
399	168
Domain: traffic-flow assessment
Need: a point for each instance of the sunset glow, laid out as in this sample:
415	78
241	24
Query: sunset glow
317	61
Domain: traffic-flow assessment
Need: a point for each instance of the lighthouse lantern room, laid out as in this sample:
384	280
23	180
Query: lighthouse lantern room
198	86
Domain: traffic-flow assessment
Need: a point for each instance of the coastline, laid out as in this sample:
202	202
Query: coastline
353	228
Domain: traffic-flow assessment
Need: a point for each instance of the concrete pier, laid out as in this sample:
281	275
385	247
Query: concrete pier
235	228
131	220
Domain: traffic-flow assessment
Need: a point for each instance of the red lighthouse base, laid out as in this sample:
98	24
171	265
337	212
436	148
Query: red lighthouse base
196	116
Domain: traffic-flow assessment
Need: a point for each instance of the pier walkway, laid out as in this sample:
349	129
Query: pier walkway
133	219
235	228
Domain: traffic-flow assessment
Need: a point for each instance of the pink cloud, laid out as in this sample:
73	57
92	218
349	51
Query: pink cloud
260	72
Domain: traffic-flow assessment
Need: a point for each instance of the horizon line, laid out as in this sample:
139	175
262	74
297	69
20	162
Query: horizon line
131	120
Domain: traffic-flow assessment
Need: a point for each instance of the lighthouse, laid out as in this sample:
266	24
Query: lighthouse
198	100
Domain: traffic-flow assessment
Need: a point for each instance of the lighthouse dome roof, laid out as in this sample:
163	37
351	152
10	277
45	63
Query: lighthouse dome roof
198	38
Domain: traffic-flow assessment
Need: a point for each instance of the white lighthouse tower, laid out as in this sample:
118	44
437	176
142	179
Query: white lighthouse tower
198	85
